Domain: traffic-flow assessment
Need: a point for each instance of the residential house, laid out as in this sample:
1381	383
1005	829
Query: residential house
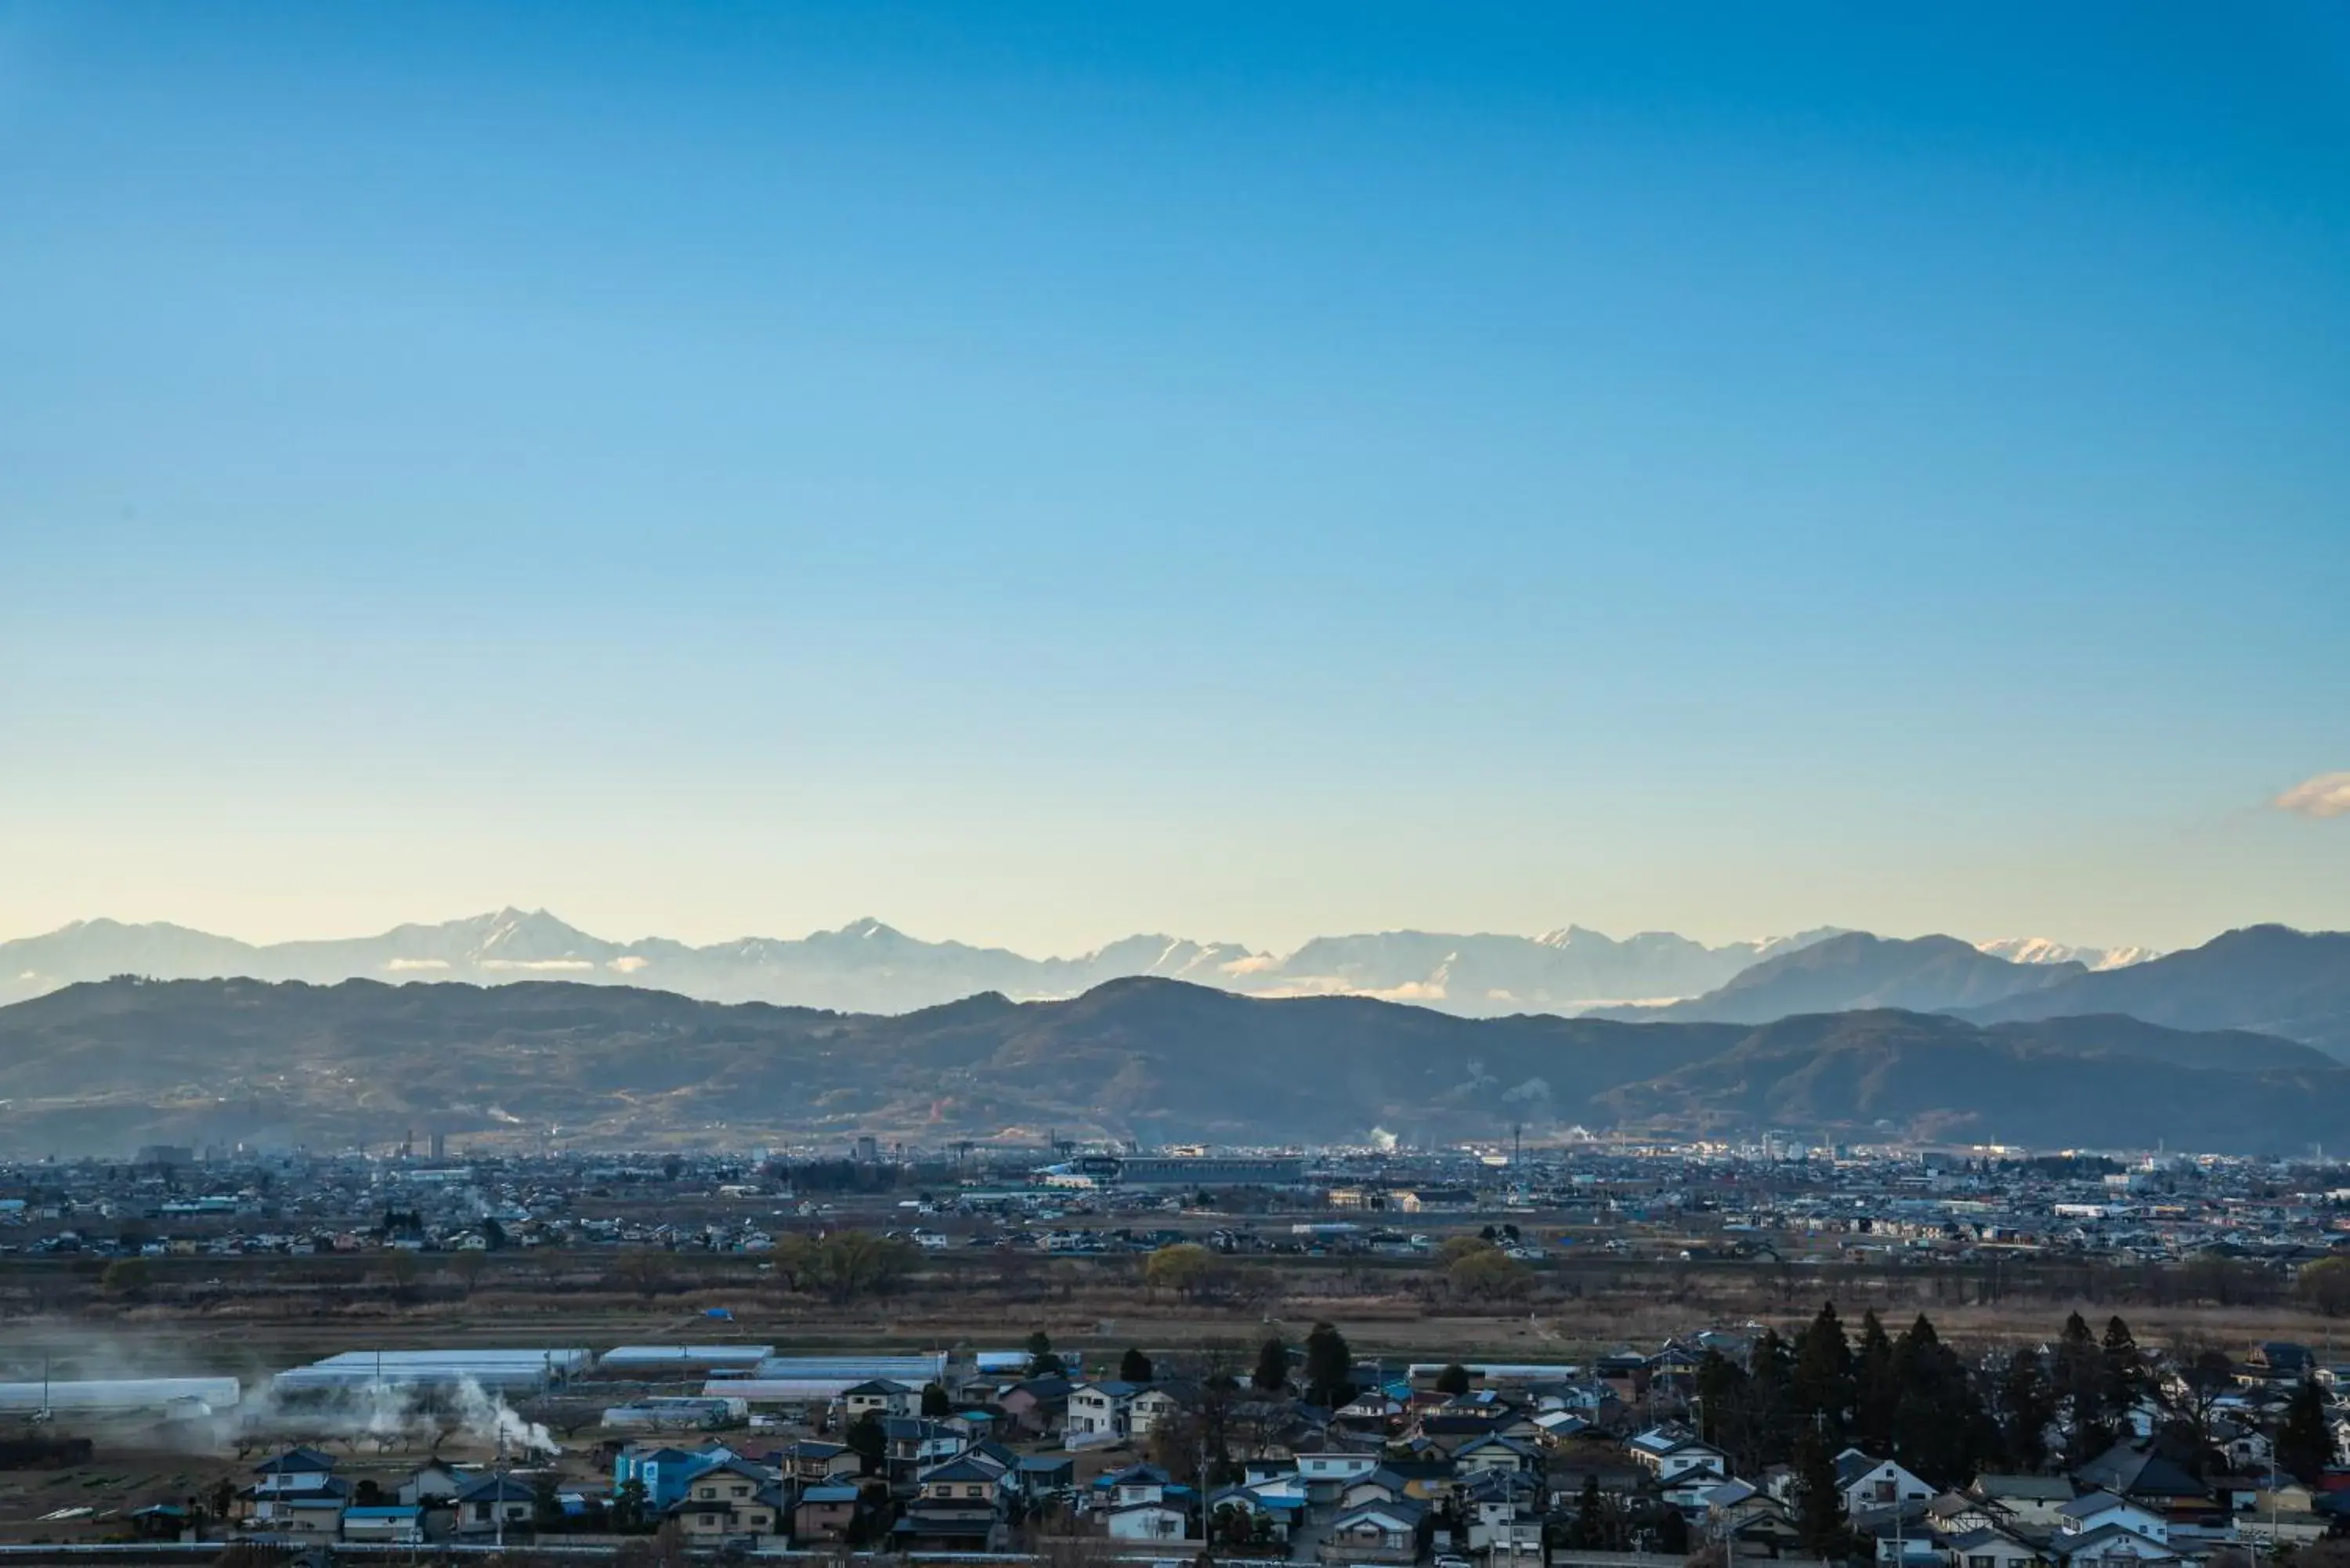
1868	1482
2277	1361
1419	1481
1037	1406
911	1445
1156	1405
297	1470
1557	1426
730	1500
1154	1520
1690	1488
2098	1510
431	1485
2108	1546
1665	1451
494	1503
879	1398
163	1522
1325	1475
965	1479
663	1472
2143	1475
1134	1484
1376	1533
1989	1546
1452	1430
311	1513
812	1460
1045	1475
1270	1520
395	1526
1742	1513
925	1528
2284	1519
1372	1410
297	1493
1504	1520
823	1512
2035	1502
2247	1448
2235	1492
1901	1533
1100	1412
1496	1452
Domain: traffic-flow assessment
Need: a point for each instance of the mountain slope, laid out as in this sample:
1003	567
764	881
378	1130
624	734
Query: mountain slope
1940	1077
2269	977
106	1066
1856	969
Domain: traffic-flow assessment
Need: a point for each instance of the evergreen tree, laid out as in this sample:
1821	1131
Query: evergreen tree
1940	1428
1769	1427
2080	1374
1819	1506
1721	1390
936	1406
2026	1406
1672	1532
2123	1378
1272	1374
1453	1381
1822	1381
2305	1442
1329	1368
1590	1512
868	1439
1874	1393
1134	1368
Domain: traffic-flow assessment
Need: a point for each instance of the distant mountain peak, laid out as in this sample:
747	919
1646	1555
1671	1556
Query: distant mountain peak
2041	950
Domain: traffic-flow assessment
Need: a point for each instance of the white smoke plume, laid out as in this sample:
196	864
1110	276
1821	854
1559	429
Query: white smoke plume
394	1416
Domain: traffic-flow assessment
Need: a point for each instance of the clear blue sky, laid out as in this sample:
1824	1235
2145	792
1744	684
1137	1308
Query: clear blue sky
1036	472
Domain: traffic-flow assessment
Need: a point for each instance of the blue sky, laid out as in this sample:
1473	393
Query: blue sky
1036	472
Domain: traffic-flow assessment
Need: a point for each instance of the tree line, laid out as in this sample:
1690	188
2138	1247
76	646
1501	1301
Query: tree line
1913	1399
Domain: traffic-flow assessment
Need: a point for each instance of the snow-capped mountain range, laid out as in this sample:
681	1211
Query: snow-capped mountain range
2040	950
869	967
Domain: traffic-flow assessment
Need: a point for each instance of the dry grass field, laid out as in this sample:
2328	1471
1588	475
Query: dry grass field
252	1316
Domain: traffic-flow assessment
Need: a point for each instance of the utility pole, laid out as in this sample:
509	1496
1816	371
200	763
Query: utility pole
498	1492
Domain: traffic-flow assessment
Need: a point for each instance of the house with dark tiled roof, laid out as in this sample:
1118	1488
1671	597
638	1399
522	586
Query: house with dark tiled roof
2108	1546
731	1500
823	1512
1375	1532
493	1502
1989	1546
2026	1499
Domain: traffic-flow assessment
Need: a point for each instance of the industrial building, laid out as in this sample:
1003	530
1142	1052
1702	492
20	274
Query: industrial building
122	1397
1209	1170
508	1371
677	1414
816	1379
653	1362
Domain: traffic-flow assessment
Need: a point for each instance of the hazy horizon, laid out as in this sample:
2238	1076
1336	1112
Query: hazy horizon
625	934
1039	473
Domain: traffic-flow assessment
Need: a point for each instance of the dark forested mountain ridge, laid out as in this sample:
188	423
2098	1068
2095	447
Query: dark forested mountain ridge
107	1065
